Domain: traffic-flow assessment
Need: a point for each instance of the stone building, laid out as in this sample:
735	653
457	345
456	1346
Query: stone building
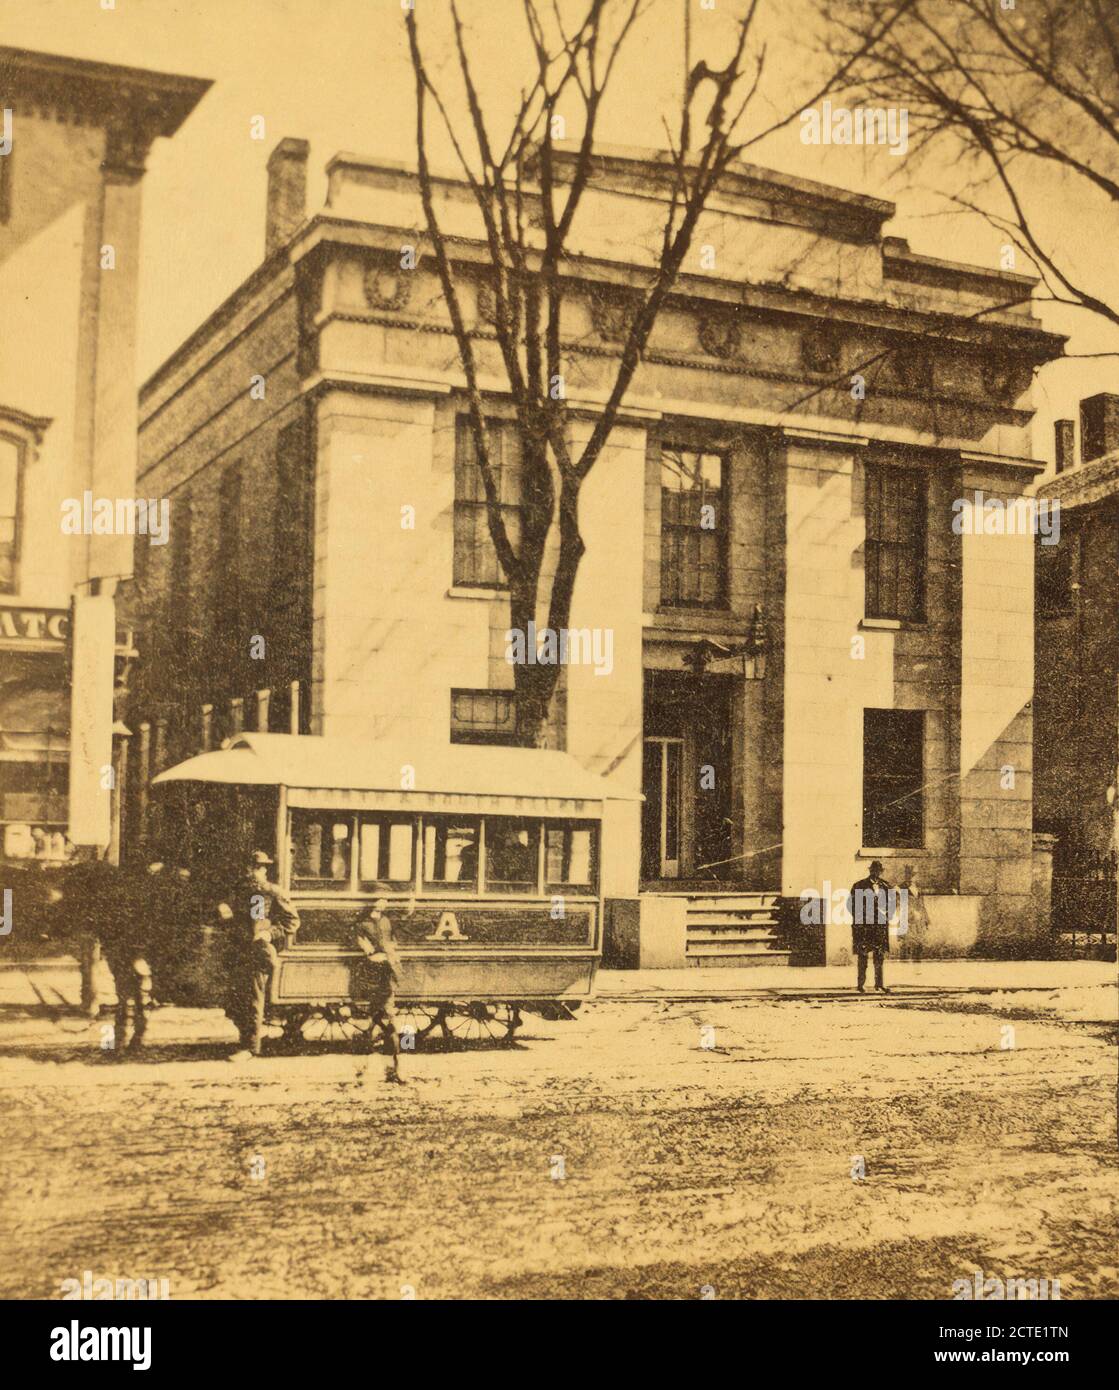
811	665
72	149
1076	712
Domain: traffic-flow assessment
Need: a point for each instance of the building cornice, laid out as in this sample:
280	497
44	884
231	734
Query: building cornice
134	106
1022	335
978	461
741	366
31	427
1085	484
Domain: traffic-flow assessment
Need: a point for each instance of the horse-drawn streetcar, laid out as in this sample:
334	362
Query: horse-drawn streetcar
487	861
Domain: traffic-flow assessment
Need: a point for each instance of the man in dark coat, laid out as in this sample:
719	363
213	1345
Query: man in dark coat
259	918
871	905
125	934
105	906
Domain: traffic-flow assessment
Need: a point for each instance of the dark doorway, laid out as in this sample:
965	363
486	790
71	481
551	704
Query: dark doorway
687	774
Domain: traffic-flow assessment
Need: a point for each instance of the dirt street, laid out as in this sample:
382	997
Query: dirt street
804	1148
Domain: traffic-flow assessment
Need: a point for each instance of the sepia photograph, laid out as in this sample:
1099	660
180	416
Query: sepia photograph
559	668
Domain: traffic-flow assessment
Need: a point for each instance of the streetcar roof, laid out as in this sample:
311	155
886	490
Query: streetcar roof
311	763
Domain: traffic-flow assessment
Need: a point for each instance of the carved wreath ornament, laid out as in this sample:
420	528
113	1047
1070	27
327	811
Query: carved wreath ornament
820	349
611	316
1000	377
719	335
486	303
387	288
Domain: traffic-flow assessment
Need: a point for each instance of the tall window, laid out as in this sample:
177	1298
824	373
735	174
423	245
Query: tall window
228	607
179	584
173	631
893	778
896	511
475	557
694	507
11	463
289	535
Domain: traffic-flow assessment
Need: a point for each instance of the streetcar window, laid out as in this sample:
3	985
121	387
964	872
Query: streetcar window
320	850
451	852
384	850
512	855
569	857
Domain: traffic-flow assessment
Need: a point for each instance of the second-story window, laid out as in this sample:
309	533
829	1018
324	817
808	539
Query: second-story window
476	563
693	529
896	511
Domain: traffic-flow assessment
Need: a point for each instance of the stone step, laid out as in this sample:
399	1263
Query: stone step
763	946
719	919
730	932
724	957
727	929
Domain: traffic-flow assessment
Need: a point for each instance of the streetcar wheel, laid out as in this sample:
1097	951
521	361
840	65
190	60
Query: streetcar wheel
333	1023
416	1020
480	1022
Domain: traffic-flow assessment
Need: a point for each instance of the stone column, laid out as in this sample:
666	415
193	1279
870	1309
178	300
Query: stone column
833	671
604	702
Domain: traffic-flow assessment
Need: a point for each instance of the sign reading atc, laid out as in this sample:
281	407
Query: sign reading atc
23	629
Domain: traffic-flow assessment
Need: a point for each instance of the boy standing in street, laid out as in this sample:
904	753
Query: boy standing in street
377	977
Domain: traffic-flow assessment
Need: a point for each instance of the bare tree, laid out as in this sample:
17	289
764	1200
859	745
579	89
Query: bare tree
1012	91
528	192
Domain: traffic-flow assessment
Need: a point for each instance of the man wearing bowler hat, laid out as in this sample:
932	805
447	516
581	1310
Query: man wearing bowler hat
259	918
871	906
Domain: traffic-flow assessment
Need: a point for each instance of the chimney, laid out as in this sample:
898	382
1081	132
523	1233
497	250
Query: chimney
1099	425
287	192
1065	432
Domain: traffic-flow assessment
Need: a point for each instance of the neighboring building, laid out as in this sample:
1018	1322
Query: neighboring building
782	479
76	137
1076	710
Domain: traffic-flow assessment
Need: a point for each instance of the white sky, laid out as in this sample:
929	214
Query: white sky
336	73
